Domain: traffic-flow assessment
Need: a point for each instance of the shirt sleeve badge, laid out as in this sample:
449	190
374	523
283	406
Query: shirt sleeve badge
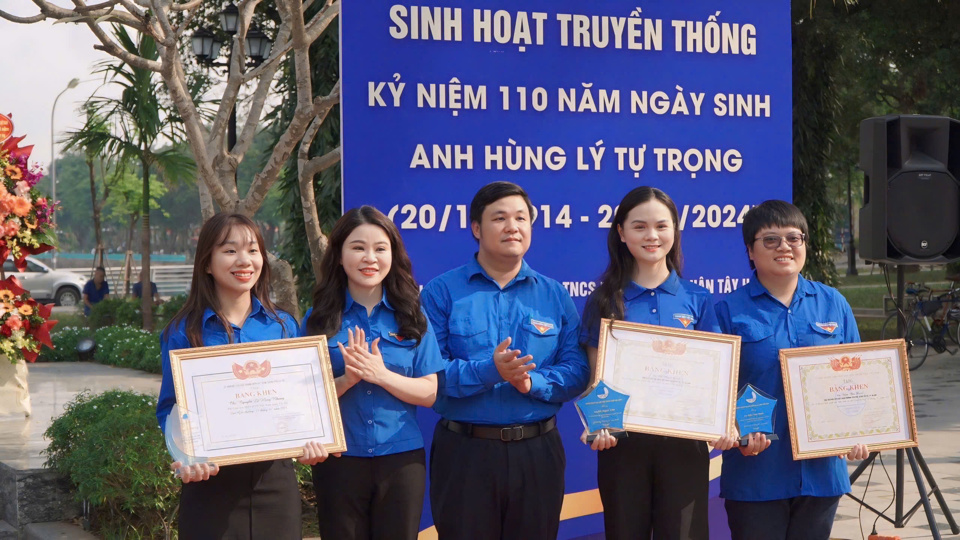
685	319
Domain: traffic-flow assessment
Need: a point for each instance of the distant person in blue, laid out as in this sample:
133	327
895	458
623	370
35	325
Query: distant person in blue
650	484
509	338
138	290
385	359
768	494
95	290
229	302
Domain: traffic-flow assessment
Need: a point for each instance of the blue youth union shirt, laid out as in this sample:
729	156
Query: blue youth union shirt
675	303
817	315
259	326
472	314
375	422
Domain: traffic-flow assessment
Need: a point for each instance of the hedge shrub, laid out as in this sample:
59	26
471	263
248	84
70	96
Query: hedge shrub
116	311
109	446
125	346
65	344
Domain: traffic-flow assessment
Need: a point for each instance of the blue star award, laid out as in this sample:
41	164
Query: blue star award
602	408
755	413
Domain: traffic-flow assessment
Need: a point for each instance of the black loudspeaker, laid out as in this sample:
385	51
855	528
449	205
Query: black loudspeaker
911	195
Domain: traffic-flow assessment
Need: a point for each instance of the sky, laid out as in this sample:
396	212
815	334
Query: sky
39	60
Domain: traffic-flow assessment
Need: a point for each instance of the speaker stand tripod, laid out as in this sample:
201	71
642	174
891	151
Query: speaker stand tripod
900	519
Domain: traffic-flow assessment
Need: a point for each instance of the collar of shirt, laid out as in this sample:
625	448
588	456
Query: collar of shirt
670	286
474	269
350	302
256	309
804	288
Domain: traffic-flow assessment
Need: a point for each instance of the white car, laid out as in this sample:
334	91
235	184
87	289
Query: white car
44	283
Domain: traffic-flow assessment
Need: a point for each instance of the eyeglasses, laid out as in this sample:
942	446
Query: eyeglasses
773	241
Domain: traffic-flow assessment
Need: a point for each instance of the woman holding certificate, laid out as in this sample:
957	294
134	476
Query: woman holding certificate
649	484
229	302
767	493
385	359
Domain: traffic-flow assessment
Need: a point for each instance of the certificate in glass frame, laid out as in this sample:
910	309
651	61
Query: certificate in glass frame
257	401
842	395
681	383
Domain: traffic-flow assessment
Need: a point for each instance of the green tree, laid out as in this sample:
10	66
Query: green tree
94	129
139	123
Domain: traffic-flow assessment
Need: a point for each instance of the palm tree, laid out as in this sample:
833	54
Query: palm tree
94	129
140	128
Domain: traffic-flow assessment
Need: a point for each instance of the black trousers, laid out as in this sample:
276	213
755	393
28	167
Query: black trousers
243	502
798	518
483	489
371	498
650	484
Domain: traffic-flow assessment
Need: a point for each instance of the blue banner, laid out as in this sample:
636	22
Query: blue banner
578	102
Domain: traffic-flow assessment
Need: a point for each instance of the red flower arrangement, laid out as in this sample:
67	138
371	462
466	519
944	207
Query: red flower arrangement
25	214
25	229
24	323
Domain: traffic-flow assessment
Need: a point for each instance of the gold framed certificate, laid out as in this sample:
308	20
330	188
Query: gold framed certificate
842	395
680	383
247	402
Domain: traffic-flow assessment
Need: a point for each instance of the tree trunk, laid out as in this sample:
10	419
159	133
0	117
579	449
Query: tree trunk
284	285
146	296
207	209
98	233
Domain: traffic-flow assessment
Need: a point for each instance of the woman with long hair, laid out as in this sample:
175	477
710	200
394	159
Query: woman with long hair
385	359
229	302
766	492
649	484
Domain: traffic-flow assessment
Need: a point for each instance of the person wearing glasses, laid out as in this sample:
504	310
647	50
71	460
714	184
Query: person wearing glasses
766	492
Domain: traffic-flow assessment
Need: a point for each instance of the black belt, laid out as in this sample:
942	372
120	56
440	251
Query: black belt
516	432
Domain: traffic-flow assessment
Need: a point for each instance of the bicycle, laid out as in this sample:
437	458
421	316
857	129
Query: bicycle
918	326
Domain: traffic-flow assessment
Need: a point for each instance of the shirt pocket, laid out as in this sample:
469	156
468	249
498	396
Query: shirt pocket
821	334
538	336
752	331
468	338
398	353
336	359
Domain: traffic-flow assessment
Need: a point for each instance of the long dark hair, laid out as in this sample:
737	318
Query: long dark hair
203	289
401	289
622	266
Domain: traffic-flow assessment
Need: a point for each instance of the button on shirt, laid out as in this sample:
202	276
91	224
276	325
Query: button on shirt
472	314
817	315
259	326
675	303
375	422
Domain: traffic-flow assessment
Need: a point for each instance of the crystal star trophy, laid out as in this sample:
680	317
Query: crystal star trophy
754	414
602	408
179	445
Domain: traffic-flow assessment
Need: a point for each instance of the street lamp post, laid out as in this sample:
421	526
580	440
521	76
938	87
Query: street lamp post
206	47
53	157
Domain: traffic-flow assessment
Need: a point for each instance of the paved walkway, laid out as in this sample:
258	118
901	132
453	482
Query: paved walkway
936	395
53	385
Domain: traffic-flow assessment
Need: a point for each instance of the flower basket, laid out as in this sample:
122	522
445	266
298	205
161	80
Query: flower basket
25	229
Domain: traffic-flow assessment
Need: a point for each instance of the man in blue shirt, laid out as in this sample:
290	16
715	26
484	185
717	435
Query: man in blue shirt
509	337
95	290
138	290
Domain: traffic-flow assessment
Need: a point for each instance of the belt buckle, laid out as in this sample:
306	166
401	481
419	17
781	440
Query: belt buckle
512	433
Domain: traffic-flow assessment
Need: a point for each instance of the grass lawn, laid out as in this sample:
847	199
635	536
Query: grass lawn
867	291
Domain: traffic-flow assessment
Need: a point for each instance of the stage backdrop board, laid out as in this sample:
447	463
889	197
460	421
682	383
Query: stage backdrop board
578	102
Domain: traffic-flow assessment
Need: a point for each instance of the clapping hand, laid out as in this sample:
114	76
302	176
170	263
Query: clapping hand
514	368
